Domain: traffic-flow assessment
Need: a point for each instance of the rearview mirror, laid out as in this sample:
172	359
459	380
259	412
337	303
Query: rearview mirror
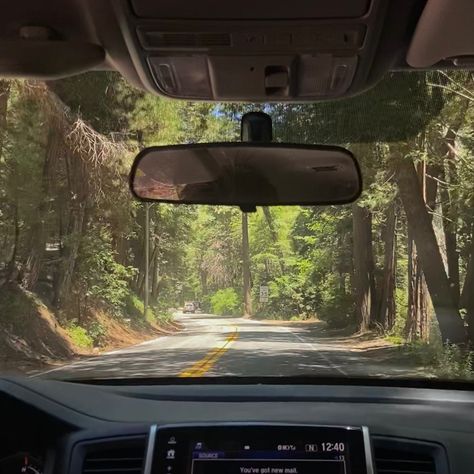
246	174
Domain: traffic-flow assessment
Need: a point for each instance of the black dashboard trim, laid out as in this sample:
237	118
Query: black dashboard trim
150	450
209	398
427	383
369	450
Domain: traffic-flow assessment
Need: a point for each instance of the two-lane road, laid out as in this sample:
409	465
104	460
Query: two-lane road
215	346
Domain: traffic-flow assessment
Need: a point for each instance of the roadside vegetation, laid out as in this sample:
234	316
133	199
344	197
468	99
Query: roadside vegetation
399	263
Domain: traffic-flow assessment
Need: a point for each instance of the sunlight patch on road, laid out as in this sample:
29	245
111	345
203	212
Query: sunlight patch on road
204	365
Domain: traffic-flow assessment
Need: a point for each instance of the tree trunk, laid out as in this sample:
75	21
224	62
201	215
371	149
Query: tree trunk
274	236
139	254
70	182
246	266
450	217
141	279
363	265
38	233
445	149
417	321
412	309
154	270
467	295
420	225
12	270
77	206
76	228
387	298
203	279
432	175
4	96
450	238
156	277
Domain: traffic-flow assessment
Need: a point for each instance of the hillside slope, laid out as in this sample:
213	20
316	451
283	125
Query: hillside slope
31	337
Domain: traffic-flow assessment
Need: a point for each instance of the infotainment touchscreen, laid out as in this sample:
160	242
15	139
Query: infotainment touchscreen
261	449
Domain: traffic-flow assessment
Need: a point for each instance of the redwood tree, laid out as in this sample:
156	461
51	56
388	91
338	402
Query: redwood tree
363	265
421	228
246	266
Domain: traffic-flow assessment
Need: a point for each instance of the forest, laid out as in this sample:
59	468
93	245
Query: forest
399	262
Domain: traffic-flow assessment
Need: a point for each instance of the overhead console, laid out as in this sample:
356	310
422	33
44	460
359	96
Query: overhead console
263	50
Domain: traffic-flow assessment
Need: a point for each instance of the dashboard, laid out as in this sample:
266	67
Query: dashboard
71	428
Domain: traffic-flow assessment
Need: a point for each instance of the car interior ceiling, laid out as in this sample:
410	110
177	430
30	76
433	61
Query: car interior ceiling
246	51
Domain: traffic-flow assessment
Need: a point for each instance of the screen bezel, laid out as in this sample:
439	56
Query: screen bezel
158	435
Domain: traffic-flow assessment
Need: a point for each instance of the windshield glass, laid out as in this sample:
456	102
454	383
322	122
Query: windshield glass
95	284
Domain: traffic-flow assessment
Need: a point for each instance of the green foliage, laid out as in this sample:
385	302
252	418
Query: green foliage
97	332
79	336
214	252
225	302
99	274
150	316
454	363
447	361
162	315
160	122
103	99
396	340
135	308
284	299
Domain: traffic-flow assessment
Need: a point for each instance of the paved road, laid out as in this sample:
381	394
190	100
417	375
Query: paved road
215	346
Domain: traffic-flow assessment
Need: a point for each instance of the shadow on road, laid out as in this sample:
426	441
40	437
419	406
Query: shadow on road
261	348
238	361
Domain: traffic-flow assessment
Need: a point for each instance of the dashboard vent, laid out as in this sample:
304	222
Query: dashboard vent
119	456
397	456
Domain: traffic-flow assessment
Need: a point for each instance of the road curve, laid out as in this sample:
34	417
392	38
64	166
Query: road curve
210	345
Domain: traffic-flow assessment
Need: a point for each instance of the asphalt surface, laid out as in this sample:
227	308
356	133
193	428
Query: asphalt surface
211	345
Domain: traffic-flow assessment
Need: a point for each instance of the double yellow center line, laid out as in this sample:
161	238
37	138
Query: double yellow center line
204	365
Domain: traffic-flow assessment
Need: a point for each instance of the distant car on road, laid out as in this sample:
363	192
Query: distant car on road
189	307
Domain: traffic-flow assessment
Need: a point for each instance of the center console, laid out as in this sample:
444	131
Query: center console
234	448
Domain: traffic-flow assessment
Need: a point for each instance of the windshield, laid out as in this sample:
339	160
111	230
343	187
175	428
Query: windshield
97	285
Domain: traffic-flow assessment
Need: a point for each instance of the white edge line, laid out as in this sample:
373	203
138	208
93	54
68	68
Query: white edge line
324	356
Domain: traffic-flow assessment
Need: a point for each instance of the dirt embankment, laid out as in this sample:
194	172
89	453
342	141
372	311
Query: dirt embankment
31	337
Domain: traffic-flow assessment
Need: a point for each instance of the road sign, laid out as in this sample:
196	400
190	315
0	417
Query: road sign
263	294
